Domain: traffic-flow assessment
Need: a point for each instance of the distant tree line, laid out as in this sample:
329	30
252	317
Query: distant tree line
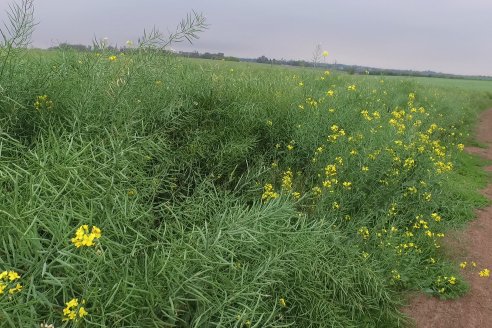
208	55
349	69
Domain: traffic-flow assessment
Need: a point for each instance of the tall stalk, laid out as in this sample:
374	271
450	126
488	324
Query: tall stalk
16	32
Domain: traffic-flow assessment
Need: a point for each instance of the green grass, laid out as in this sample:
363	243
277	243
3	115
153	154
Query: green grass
172	158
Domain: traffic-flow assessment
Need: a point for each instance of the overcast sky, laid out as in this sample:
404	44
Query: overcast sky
451	36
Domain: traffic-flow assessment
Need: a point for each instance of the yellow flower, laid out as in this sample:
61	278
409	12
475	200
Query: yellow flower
463	264
82	312
351	87
436	217
13	275
6	280
287	180
43	102
330	93
112	58
84	238
17	288
330	170
364	232
484	273
316	191
282	302
72	311
268	192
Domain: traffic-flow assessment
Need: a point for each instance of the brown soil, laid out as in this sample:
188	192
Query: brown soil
473	310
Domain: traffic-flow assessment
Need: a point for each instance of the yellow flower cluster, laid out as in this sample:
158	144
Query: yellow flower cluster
43	102
444	283
395	275
287	180
369	117
73	310
337	133
84	238
268	193
364	233
8	281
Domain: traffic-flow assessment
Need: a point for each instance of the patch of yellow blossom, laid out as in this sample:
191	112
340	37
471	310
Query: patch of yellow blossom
43	102
287	180
436	217
73	310
8	282
84	238
268	192
484	273
364	233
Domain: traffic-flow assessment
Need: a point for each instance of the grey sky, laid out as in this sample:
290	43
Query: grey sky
452	36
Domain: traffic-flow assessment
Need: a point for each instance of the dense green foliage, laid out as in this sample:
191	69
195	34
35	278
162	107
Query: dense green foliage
228	195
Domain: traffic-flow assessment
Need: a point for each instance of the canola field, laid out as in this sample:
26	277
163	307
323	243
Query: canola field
146	190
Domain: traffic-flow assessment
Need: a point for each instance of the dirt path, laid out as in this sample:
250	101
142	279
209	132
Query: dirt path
474	310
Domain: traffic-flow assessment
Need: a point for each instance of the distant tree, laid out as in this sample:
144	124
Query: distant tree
77	47
263	60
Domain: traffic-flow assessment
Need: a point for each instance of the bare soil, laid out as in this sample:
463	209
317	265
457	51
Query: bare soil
474	310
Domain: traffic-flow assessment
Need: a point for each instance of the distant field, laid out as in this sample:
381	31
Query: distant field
145	190
462	84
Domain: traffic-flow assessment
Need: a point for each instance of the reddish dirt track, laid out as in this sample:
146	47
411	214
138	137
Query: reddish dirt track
474	310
